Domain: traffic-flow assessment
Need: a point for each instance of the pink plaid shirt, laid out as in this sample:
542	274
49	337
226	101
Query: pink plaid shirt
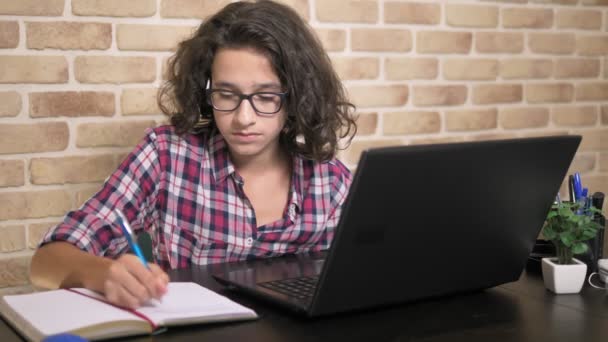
185	193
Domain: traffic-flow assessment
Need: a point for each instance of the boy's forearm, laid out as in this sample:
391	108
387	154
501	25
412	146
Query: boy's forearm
60	265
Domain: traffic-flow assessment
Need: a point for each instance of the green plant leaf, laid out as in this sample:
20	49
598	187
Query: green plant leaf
550	234
551	214
588	235
579	248
568	229
567	239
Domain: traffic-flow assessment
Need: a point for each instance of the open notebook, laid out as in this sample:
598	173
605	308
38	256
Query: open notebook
84	312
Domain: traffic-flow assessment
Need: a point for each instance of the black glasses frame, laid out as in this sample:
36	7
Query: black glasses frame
248	97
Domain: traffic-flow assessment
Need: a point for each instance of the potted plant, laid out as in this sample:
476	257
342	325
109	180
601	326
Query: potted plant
568	226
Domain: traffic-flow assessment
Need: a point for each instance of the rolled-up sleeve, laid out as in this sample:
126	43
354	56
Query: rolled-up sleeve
131	189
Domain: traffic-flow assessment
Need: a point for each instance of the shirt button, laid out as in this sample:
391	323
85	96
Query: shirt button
249	242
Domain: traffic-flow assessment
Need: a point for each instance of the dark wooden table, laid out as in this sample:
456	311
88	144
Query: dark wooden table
519	311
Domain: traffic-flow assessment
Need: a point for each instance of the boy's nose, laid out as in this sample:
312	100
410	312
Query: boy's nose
245	115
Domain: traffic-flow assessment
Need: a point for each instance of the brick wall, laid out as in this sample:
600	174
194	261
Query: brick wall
78	81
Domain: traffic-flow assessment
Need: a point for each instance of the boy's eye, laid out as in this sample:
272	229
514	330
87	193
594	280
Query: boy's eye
226	94
265	98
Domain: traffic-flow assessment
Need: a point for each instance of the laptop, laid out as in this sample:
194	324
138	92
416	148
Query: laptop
419	222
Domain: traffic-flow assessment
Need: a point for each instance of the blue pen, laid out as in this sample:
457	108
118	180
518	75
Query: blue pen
128	233
578	187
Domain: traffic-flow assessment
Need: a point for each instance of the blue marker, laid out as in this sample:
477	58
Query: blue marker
578	187
128	233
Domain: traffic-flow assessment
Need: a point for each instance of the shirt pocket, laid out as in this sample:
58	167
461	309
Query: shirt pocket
209	250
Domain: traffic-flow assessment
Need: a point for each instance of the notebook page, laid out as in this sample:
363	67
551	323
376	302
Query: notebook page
58	311
190	303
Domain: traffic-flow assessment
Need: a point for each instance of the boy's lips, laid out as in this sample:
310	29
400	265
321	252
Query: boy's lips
245	136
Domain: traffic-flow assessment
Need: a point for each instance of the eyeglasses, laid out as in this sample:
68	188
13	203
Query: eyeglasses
264	103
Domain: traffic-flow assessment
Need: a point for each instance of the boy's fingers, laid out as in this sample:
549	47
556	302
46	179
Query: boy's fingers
161	280
127	299
116	288
141	282
158	272
131	283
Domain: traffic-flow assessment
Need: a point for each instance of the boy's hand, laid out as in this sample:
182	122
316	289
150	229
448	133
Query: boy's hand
130	284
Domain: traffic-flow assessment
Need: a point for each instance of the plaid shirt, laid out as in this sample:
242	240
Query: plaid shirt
185	193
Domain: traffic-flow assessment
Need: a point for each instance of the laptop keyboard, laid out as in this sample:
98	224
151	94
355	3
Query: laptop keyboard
301	287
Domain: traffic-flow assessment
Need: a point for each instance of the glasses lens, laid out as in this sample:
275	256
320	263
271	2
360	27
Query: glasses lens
263	103
266	103
224	100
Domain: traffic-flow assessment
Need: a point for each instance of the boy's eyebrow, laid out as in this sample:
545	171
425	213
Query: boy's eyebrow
257	86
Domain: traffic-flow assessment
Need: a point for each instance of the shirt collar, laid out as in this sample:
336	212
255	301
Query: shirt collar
222	167
219	158
302	171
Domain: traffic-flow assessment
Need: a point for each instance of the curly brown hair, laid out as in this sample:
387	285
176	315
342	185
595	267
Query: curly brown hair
318	111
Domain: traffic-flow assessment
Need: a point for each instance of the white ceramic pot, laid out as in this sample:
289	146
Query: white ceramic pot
563	279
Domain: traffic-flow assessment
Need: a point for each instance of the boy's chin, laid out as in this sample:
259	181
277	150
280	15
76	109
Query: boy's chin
245	150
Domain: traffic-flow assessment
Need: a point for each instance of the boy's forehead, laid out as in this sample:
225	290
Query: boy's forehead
243	57
243	67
